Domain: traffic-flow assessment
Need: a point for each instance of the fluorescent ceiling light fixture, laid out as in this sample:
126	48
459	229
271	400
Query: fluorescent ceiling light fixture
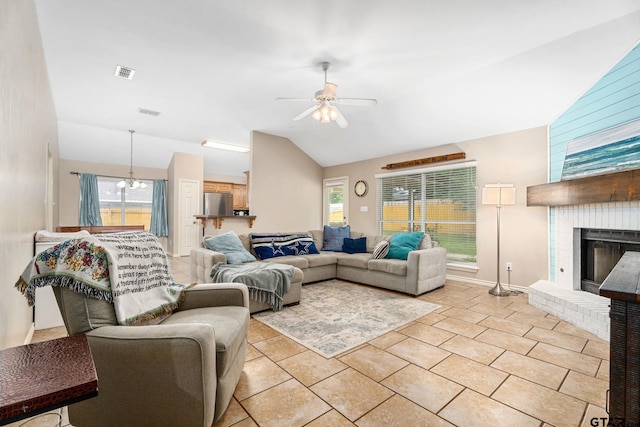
225	146
149	112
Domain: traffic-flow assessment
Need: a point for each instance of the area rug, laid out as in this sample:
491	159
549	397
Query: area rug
335	316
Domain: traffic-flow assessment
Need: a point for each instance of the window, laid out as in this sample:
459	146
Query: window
439	200
336	197
125	206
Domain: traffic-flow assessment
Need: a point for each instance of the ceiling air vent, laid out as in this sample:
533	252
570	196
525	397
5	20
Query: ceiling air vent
124	72
149	112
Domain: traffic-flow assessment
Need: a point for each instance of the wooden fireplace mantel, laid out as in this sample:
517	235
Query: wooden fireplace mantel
613	187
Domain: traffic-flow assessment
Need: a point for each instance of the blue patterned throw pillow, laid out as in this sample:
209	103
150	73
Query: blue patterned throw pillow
334	237
274	245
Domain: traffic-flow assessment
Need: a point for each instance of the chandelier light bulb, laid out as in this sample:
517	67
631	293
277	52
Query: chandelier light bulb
325	113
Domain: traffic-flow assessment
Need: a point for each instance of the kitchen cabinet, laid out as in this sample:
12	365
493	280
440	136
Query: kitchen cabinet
239	192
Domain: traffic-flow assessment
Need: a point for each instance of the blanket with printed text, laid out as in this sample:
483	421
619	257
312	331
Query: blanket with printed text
128	269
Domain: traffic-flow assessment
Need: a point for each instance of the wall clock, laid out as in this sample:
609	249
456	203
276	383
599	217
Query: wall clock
360	188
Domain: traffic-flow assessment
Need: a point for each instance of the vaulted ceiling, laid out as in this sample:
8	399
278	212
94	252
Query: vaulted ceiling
442	72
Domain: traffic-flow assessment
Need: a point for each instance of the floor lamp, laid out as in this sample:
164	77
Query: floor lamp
498	195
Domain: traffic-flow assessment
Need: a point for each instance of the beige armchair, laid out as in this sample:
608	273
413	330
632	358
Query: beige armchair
181	371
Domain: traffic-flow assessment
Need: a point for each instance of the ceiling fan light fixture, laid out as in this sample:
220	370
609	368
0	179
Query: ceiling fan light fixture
326	113
333	113
225	146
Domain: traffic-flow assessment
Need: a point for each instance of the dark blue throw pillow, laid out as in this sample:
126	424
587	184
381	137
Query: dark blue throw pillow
334	237
355	246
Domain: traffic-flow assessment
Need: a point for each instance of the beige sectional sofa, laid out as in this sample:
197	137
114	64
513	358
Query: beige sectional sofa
423	271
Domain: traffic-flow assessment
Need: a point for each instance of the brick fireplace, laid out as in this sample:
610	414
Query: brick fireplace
562	295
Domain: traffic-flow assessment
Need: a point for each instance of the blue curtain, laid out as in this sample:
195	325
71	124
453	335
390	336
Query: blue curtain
159	209
89	200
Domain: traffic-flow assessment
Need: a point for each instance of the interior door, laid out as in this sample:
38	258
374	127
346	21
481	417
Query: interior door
189	199
336	201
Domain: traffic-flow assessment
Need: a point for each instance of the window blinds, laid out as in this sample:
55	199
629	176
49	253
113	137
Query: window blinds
439	200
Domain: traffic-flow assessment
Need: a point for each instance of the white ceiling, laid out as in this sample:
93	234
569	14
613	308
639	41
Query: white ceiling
442	71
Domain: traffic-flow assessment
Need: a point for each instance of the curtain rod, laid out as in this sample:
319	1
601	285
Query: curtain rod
111	176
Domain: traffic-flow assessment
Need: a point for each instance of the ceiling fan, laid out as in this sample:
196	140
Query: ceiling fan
324	110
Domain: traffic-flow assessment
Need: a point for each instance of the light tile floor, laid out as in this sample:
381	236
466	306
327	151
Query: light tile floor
479	360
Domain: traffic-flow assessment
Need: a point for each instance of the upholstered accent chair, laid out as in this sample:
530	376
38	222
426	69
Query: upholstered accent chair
180	371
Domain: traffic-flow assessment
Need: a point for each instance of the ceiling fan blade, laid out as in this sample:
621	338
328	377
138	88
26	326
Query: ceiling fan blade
341	121
296	99
306	112
357	101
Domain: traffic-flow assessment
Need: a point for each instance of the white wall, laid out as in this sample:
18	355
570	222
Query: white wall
285	186
518	158
182	166
27	133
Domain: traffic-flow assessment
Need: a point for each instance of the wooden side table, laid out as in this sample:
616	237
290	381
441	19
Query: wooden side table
36	378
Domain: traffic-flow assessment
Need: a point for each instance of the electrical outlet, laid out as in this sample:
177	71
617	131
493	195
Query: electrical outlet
509	266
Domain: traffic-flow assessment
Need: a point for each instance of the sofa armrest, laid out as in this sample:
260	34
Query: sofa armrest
215	295
426	270
202	260
138	367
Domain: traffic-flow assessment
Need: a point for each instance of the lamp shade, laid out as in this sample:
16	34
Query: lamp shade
499	194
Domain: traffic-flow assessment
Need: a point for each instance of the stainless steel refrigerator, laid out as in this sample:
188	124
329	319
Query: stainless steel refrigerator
218	204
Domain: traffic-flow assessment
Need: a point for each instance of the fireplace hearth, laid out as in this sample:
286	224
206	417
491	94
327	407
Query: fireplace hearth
600	251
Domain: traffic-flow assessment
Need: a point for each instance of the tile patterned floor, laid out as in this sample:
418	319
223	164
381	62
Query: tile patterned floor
479	360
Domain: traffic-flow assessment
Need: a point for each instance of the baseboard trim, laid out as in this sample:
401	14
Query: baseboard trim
524	289
29	337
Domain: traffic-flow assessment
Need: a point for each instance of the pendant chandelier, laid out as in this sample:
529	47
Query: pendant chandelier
131	182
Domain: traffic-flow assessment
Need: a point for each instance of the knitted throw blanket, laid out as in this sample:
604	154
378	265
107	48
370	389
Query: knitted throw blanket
267	282
127	269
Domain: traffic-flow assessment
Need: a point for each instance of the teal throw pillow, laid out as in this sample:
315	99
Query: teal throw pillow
403	243
230	245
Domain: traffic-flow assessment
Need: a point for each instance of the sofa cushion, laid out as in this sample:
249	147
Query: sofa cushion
381	250
230	245
391	266
403	243
324	258
355	246
246	242
355	260
230	324
333	237
374	239
294	260
277	245
426	242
